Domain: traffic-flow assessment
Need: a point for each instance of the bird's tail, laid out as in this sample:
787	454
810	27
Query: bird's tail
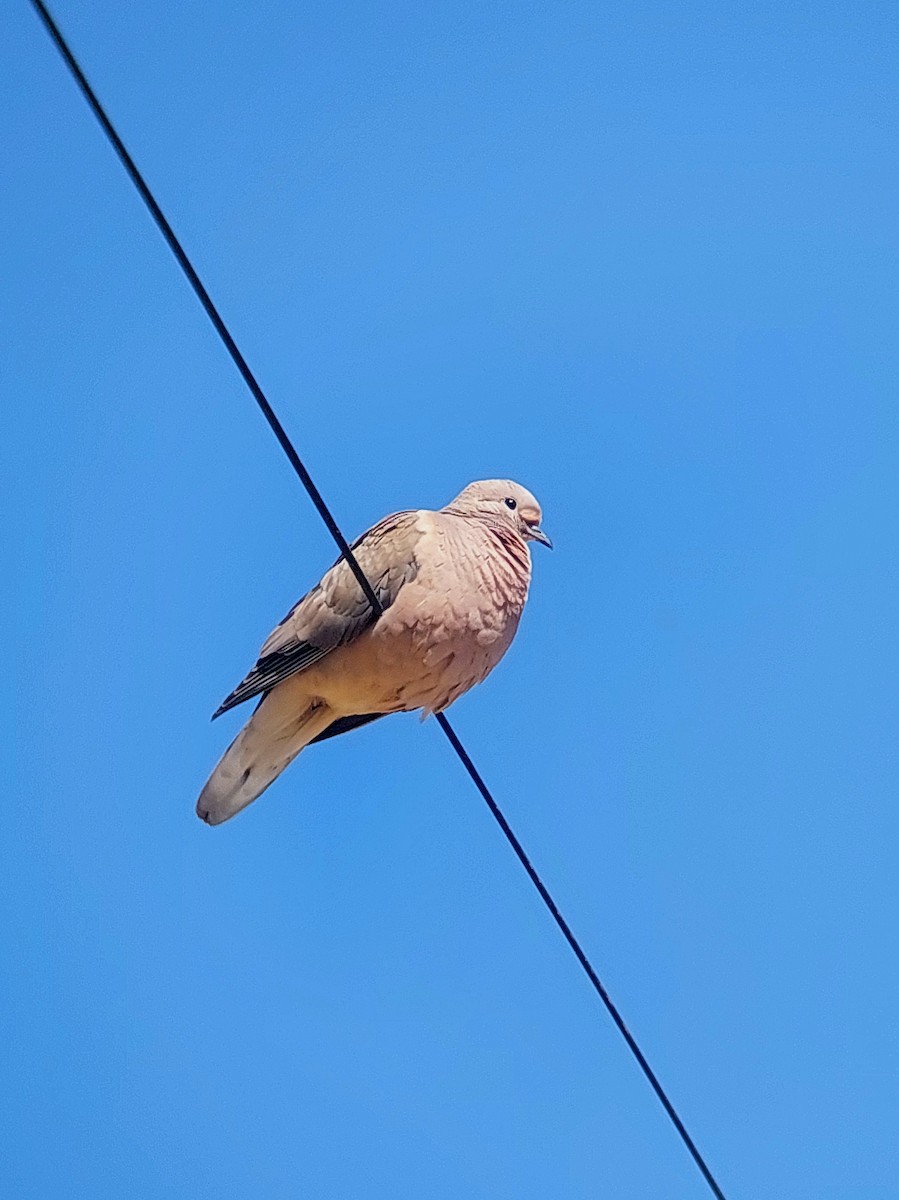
269	742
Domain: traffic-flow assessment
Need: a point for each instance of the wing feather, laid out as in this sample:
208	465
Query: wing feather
336	610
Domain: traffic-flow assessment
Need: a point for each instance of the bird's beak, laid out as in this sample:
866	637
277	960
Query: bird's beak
536	534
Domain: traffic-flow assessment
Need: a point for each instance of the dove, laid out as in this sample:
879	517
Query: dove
452	584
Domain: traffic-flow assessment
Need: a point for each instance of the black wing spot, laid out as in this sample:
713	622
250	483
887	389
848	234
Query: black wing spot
345	724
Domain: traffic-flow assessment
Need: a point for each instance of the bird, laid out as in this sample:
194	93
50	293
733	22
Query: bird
452	584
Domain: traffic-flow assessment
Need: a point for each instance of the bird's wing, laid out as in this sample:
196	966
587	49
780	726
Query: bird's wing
335	611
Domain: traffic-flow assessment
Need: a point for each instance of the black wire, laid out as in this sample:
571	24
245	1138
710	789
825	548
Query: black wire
579	953
325	513
206	300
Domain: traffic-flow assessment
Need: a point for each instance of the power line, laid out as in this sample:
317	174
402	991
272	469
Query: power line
578	953
325	513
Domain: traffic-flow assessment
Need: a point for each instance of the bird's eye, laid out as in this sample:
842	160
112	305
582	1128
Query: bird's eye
510	503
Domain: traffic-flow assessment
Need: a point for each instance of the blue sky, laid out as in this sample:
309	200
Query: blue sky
642	261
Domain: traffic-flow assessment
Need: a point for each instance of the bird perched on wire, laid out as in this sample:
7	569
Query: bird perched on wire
452	585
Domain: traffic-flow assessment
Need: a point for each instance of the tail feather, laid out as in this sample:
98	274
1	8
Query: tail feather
269	742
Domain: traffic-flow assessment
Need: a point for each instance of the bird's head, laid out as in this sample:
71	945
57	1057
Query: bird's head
502	502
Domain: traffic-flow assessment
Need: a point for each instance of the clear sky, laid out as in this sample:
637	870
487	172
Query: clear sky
640	258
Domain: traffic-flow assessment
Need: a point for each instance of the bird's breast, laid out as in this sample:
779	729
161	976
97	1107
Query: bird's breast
446	630
450	627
